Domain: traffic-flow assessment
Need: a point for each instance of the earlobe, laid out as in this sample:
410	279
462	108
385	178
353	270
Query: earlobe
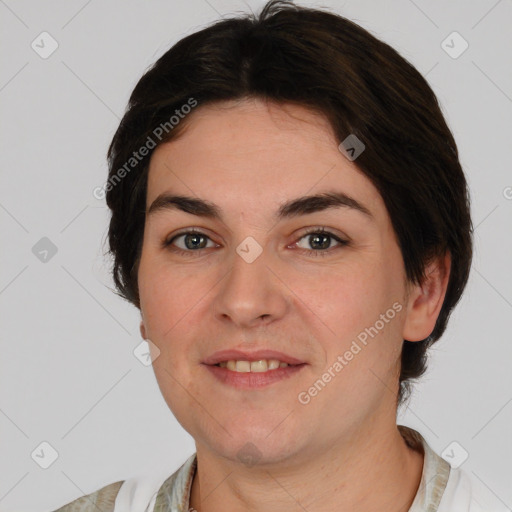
142	330
426	300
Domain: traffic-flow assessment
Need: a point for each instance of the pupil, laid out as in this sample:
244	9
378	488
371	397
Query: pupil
195	239
324	245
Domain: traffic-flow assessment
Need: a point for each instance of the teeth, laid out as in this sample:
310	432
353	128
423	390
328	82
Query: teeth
243	366
253	366
273	364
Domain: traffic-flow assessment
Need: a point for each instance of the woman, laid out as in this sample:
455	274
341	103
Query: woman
290	217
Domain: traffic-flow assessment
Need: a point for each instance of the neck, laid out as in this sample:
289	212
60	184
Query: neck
373	470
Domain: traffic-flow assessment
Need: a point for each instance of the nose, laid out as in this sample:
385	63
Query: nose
250	294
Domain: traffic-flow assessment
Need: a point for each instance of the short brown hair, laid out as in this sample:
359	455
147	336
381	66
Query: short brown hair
320	60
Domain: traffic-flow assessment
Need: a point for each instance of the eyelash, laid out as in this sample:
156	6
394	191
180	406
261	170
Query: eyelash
310	231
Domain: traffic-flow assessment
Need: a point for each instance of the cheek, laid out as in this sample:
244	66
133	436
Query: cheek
361	306
349	298
167	301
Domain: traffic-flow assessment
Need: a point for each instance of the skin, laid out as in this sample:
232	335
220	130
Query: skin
342	450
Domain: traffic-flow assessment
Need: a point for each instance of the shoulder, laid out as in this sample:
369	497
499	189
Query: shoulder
103	499
151	492
465	493
444	488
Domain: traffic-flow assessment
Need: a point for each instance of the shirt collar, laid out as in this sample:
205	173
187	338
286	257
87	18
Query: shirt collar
434	476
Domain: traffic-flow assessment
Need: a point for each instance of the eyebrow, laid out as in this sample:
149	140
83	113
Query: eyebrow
294	208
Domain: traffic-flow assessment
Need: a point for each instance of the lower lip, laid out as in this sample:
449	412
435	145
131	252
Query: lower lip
253	380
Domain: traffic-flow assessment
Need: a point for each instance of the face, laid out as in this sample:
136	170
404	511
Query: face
260	275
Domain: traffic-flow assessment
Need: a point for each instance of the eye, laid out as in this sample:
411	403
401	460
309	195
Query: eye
316	242
188	242
319	240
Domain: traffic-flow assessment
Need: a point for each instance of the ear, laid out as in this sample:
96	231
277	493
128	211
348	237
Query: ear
143	330
426	300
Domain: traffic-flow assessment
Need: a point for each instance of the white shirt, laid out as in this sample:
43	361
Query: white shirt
442	488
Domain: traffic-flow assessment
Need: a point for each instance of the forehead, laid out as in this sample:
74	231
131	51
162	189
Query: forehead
256	154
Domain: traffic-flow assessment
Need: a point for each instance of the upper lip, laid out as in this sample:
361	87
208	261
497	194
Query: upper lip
256	355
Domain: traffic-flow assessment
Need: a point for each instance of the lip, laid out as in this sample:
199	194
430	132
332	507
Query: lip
257	355
252	380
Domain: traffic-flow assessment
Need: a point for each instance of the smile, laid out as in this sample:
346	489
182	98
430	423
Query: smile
262	365
243	376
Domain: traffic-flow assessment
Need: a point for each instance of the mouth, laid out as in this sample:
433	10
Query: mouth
244	370
260	366
262	357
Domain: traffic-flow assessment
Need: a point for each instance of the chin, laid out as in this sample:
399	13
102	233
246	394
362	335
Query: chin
258	446
257	453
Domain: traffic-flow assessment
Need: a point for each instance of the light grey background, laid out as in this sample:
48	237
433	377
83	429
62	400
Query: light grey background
68	374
